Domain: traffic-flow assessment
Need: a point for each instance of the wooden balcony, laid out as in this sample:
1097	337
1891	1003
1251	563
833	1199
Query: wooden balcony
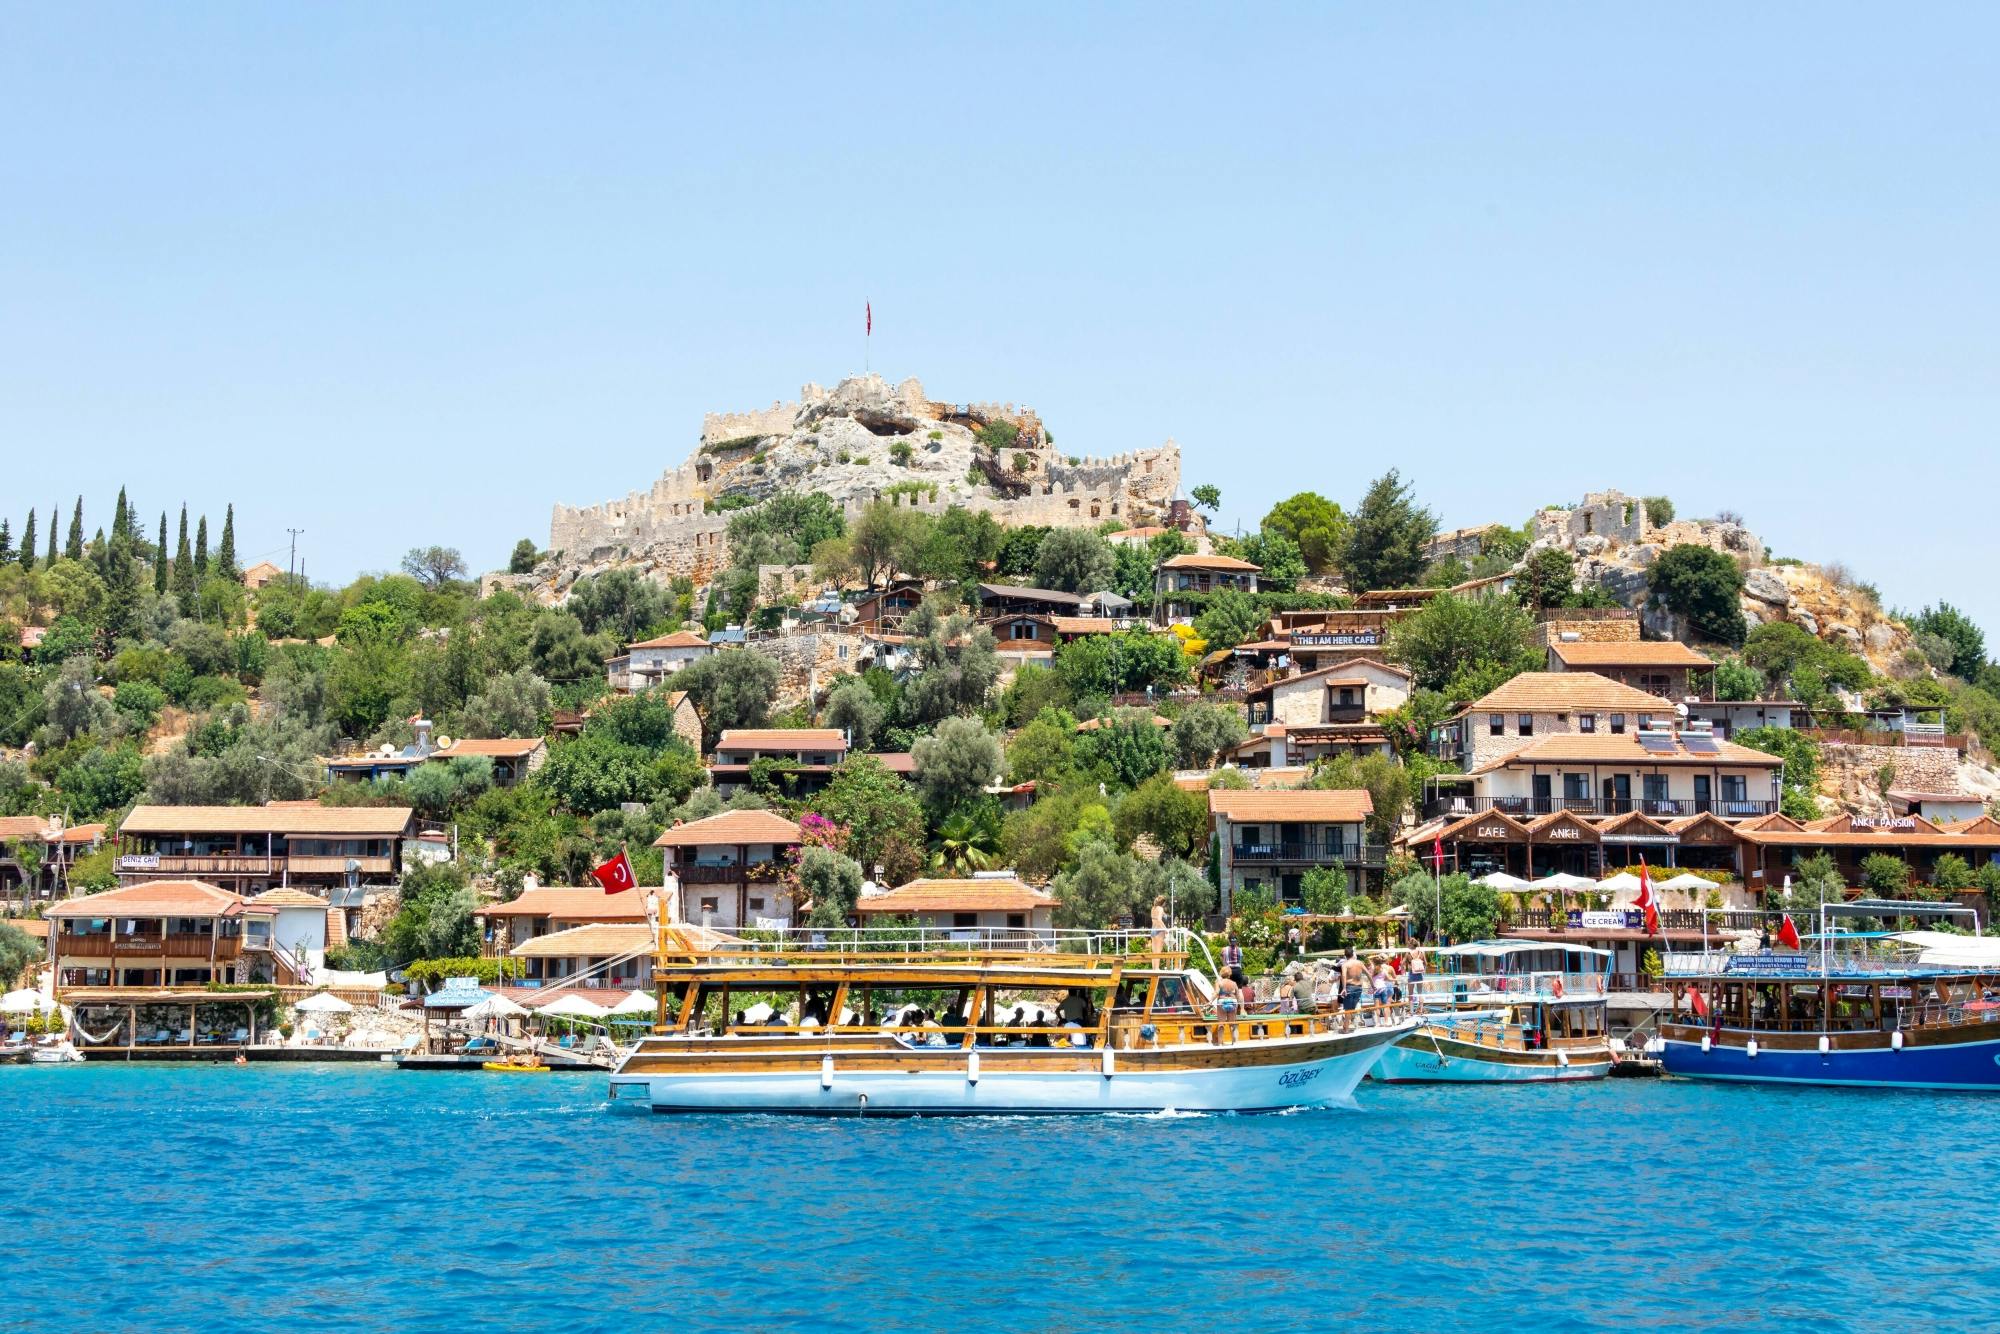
1665	808
175	945
726	875
227	864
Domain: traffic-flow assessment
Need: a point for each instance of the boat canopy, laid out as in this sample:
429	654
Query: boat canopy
1897	908
1944	948
1502	949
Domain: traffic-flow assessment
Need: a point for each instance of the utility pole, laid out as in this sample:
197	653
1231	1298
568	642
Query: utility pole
292	564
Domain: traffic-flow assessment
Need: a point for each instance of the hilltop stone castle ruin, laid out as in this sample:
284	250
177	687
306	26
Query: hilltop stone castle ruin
863	440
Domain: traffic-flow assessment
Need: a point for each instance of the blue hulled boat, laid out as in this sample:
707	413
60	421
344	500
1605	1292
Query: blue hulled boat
1865	1009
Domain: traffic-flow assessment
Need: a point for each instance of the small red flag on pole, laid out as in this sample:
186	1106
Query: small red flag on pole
869	307
1644	903
1788	934
616	875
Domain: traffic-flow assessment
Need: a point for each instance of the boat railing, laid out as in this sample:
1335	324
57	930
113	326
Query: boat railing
1475	988
1171	948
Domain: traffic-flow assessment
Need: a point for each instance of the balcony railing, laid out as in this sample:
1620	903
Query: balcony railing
1729	808
175	945
1316	851
250	864
726	875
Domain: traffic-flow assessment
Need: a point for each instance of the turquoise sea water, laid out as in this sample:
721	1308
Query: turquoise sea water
337	1198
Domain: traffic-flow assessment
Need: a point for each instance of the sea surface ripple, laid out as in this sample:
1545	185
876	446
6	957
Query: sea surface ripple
360	1198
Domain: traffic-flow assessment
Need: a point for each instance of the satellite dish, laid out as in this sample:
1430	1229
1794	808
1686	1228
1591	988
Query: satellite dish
444	743
388	751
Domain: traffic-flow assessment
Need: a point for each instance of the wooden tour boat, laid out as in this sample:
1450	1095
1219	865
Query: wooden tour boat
914	1022
1859	1008
1506	1012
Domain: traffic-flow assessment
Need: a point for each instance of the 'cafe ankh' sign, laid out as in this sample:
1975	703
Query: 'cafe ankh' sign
1565	831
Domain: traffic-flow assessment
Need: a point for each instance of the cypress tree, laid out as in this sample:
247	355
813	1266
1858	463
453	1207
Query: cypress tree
160	559
225	556
74	547
121	577
55	522
184	581
6	543
28	543
99	552
201	548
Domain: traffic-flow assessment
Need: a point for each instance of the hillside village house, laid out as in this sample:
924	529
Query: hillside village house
1297	719
1181	583
991	905
1653	770
56	845
1543	704
334	851
542	910
1268	840
725	871
880	609
616	955
513	759
1663	667
808	755
650	661
161	934
998	600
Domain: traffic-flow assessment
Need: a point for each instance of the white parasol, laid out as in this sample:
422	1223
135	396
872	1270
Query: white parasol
636	1003
323	1002
494	1007
1503	881
572	1006
25	1002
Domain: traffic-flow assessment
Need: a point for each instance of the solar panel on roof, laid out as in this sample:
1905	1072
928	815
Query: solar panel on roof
1700	744
1659	743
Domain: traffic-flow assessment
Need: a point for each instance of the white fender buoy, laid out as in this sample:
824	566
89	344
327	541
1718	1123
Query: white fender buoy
972	1068
1704	1044
1896	1040
1562	1059
1110	1062
1825	1044
1750	1049
826	1072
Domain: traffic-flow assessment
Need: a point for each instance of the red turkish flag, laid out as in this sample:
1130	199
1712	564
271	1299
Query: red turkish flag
616	875
1698	1002
1437	854
1644	903
1788	935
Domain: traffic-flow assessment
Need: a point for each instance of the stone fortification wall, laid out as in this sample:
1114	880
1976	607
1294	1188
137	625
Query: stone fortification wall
1611	515
860	441
809	662
1608	625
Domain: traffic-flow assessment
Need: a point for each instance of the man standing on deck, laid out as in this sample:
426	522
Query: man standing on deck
1352	978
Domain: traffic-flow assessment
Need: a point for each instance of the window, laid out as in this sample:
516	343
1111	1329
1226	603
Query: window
1617	722
756	905
1527	724
1586	722
1655	787
1576	787
1023	630
1496	724
1735	787
711	905
1017	920
1645	721
965	919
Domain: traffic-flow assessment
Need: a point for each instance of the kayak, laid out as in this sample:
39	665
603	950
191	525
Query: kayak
516	1068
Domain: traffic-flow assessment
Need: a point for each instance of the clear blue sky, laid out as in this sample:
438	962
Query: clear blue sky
401	274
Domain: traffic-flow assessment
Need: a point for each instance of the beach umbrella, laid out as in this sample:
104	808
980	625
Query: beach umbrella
572	1006
1623	880
636	1003
495	1007
323	1002
758	1013
1685	882
1503	881
25	1002
1565	882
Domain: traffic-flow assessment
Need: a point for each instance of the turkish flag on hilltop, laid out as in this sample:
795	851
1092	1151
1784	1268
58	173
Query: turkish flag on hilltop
1645	902
1788	934
616	875
1437	855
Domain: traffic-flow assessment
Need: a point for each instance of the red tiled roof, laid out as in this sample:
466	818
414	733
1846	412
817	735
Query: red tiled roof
572	903
782	738
678	639
153	898
732	827
1331	805
994	895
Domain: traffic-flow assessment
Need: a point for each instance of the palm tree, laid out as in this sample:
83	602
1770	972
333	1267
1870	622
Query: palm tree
966	841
